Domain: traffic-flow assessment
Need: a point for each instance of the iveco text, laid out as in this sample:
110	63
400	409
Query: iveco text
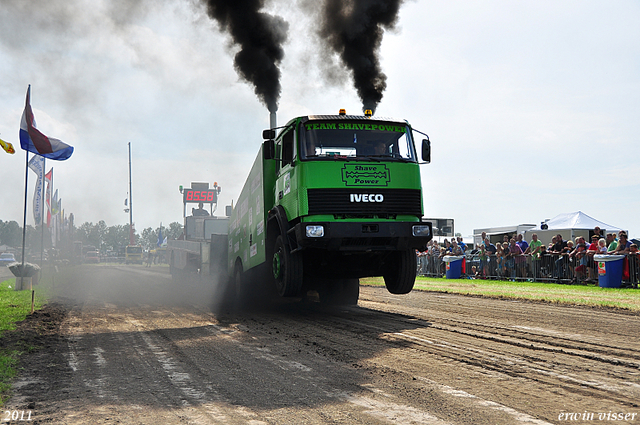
363	197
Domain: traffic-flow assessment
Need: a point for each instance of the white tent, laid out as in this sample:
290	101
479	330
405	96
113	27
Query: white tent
570	226
496	234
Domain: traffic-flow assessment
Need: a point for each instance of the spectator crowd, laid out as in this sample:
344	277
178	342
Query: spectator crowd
561	260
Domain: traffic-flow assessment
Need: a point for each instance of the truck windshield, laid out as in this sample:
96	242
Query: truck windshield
374	140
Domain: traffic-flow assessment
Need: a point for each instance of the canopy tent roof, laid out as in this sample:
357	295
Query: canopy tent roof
576	220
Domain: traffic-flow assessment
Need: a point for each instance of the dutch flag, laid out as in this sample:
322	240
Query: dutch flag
33	141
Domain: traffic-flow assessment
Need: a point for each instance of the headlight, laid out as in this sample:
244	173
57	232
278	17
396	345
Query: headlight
315	231
421	230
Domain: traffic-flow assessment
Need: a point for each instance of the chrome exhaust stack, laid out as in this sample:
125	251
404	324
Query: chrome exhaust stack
272	120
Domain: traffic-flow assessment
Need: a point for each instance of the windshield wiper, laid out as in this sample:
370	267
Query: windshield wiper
391	157
362	158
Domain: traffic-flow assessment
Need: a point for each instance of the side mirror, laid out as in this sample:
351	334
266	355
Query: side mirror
268	134
269	149
426	150
227	210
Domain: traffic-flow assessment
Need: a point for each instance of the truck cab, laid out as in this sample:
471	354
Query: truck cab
133	254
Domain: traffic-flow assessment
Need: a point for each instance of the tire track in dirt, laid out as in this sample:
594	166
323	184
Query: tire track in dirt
553	356
153	366
255	350
544	361
330	334
141	371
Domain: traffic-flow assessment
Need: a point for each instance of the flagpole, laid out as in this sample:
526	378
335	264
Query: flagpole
49	218
44	168
132	240
24	222
50	213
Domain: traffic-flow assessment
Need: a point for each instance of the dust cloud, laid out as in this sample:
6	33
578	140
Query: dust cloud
131	286
127	286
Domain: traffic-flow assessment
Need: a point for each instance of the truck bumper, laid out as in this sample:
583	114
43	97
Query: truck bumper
363	237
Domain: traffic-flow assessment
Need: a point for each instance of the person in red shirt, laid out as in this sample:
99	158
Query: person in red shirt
591	251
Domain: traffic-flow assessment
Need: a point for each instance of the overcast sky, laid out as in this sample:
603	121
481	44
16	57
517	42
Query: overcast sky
532	107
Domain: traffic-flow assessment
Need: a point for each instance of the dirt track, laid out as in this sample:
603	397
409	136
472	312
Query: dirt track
132	349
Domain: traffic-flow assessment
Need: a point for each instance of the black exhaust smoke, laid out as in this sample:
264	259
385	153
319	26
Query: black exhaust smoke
353	29
260	37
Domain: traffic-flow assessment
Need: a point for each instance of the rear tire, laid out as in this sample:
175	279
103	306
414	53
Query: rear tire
231	291
340	292
286	269
400	274
239	290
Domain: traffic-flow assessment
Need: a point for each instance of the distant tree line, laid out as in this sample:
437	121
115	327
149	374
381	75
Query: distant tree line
111	238
100	235
11	234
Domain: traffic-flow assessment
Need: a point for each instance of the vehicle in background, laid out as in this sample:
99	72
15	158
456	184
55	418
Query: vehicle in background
77	256
133	254
201	252
121	255
7	258
111	256
92	257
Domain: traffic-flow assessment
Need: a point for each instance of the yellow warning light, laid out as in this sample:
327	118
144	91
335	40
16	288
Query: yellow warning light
342	112
368	113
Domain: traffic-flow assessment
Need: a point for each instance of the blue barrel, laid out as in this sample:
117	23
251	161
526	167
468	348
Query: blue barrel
610	269
454	266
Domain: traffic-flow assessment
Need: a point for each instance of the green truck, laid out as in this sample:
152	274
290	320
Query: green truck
331	199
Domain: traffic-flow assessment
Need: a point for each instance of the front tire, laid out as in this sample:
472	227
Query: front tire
400	275
287	269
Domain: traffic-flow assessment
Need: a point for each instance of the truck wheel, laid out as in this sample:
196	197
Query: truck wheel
400	274
239	290
340	292
287	269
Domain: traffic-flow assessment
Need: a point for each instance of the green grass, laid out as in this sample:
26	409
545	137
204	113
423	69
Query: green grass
14	307
628	299
8	361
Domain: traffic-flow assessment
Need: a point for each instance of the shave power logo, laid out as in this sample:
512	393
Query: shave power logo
365	175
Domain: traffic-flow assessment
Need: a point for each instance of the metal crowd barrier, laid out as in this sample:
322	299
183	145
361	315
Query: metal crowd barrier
552	268
431	266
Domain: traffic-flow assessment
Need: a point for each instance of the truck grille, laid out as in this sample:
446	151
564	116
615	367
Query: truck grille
352	201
